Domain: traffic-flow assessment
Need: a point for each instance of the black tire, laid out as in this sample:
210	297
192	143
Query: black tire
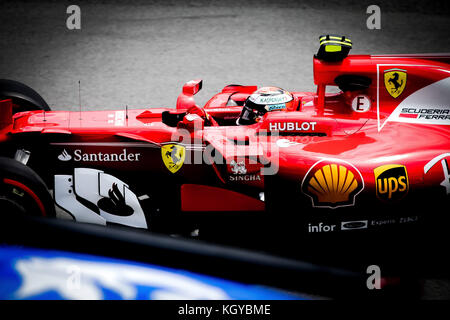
23	97
22	191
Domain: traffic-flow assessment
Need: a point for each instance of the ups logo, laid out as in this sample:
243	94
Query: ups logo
392	183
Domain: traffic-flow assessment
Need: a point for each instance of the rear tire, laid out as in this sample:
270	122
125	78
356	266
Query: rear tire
22	191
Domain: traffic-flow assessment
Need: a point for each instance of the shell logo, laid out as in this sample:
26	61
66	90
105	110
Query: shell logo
332	183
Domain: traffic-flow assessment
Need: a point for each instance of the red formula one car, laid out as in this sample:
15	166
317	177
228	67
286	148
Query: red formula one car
370	159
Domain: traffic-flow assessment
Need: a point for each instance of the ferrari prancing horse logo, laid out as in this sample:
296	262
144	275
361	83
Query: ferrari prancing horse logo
173	156
395	81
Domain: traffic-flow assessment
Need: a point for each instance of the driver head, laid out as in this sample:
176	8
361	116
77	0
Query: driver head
263	100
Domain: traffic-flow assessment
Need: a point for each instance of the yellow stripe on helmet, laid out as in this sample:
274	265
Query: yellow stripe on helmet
335	42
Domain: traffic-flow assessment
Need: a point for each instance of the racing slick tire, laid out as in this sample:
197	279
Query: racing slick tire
23	97
22	191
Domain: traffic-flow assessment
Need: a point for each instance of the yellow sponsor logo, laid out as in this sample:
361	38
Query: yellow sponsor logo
173	156
332	185
395	81
391	181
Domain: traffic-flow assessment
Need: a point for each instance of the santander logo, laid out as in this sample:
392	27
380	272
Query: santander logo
79	155
64	156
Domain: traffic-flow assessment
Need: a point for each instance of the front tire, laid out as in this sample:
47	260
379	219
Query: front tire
22	191
23	97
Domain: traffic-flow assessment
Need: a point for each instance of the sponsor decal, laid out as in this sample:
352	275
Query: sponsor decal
443	161
354	225
292	126
361	103
426	113
238	167
321	227
173	156
252	177
395	81
332	183
270	98
409	219
391	221
79	155
379	223
360	224
275	107
285	143
391	182
64	156
240	172
428	105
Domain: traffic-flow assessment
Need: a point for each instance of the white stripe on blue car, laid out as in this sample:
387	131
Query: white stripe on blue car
38	274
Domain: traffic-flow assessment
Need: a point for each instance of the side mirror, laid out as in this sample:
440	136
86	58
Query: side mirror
186	98
193	86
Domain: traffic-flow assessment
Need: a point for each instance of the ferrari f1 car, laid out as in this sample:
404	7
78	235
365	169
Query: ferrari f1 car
371	159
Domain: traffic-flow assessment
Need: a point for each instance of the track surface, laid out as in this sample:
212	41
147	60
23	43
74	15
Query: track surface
140	53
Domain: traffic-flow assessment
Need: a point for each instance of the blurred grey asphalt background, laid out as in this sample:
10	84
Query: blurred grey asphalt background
139	53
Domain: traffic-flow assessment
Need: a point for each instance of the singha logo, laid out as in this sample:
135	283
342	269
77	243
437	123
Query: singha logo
64	156
238	167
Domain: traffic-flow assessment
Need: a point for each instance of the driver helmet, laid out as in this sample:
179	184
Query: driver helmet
263	100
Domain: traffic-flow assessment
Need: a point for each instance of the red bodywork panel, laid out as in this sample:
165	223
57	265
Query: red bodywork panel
199	198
